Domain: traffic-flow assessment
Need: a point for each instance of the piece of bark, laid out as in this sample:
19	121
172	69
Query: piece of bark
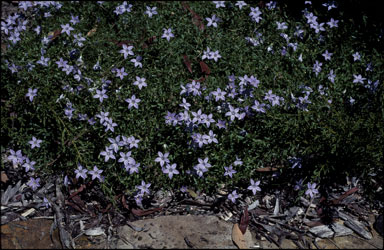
326	232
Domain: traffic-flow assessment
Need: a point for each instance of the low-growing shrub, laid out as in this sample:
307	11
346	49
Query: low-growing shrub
179	95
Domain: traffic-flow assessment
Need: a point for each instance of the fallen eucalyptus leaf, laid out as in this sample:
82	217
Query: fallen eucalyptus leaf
238	237
94	231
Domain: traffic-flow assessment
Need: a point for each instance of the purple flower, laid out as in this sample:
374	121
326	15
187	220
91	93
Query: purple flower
215	55
333	23
140	82
299	185
221	124
132	167
28	165
212	21
207	54
163	158
238	162
327	55
229	171
101	94
66	29
120	73
43	61
167	34
31	94
331	76
311	189
126	158
127	50
170	170
259	107
108	154
144	188
241	4
133	102
317	67
254	186
151	11
255	14
219	94
96	173
137	62
34	183
281	26
211	137
358	79
233	196
356	56
80	172
185	104
35	142
219	4
15	157
74	20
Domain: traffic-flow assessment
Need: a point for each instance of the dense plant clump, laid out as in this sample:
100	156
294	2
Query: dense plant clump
190	95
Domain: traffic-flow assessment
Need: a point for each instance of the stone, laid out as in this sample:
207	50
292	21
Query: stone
31	234
358	228
178	232
324	231
378	225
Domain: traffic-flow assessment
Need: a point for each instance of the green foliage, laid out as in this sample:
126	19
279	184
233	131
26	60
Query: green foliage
333	139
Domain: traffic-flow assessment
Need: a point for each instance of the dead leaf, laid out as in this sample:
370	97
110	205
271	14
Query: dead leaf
192	193
139	212
187	63
92	31
238	237
196	19
81	188
343	196
54	34
204	68
266	169
124	202
244	221
4	177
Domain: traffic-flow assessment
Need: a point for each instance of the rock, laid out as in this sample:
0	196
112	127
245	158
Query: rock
178	232
31	234
358	228
325	231
378	225
355	225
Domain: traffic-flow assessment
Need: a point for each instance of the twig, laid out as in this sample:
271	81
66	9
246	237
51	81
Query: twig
306	212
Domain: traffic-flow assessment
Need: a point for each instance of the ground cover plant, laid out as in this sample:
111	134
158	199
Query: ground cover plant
135	97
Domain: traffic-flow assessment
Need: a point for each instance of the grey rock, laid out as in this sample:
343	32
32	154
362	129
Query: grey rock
355	225
176	231
325	231
358	228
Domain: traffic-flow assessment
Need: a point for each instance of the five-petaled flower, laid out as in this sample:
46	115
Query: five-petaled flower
233	196
254	186
81	172
170	170
163	158
35	142
96	173
34	183
31	94
311	189
167	34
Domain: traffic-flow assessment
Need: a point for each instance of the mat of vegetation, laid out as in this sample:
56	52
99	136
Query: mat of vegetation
136	97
